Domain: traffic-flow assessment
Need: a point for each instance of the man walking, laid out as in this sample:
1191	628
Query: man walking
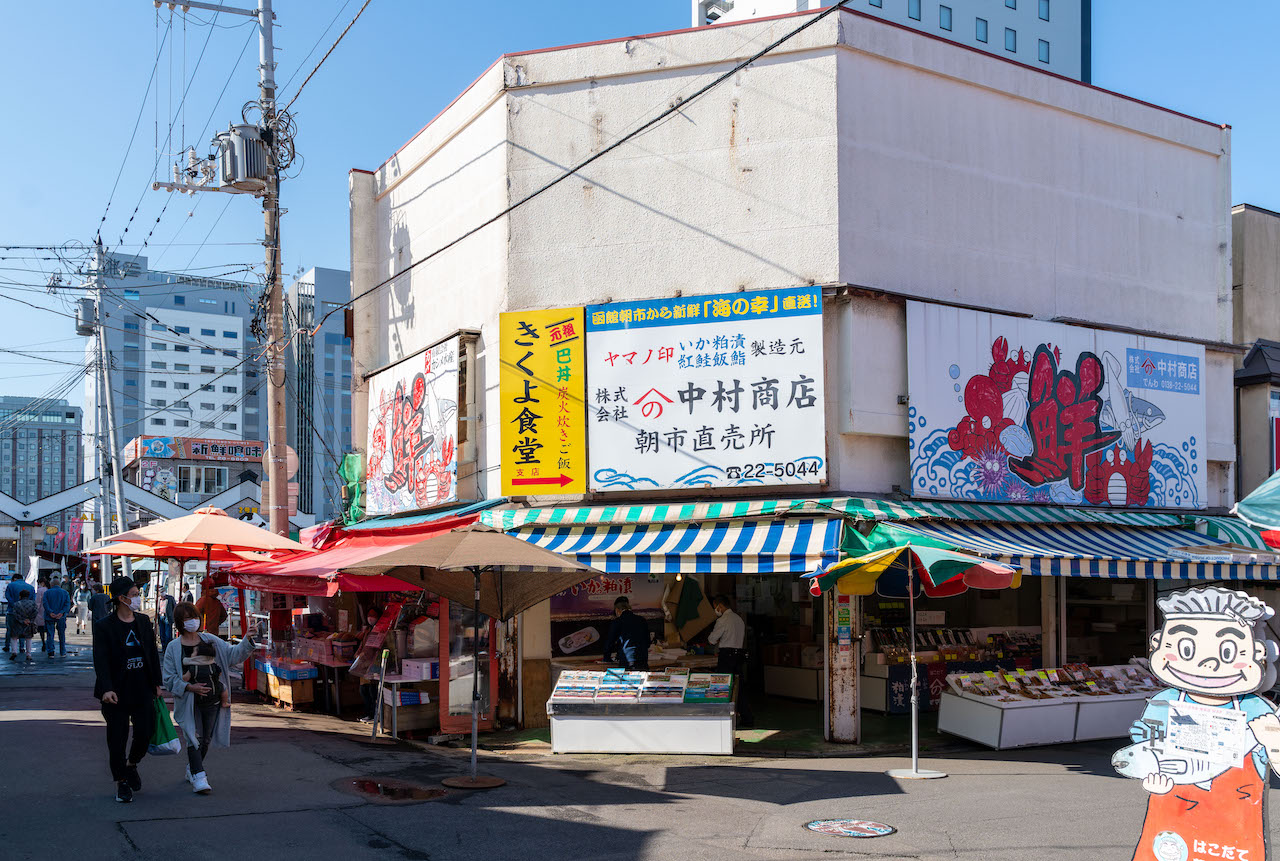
57	604
99	604
728	636
12	595
164	619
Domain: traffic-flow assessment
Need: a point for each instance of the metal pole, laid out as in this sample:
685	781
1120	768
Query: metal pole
475	676
113	442
914	773
277	434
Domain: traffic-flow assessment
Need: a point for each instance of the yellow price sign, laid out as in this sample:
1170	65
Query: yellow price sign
542	389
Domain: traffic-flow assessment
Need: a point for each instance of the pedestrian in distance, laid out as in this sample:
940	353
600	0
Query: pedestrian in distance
99	604
164	619
197	667
23	624
42	585
212	613
57	604
12	594
629	636
368	684
127	668
82	596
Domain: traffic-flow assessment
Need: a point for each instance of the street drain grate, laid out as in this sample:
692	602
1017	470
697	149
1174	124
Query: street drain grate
389	790
850	828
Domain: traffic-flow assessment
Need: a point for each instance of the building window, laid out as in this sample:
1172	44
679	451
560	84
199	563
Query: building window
228	425
913	9
944	17
181	423
208	301
207	333
132	294
182	367
182	386
182	330
208	425
182	348
879	4
179	299
228	408
129	382
229	335
159	384
1012	4
158	422
206	480
207	406
132	326
157	402
158	327
206	351
159	366
1044	10
208	369
230	353
158	345
230	390
1010	40
182	405
980	29
1044	51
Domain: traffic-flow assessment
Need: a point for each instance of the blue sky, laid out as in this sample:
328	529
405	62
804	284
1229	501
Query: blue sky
75	78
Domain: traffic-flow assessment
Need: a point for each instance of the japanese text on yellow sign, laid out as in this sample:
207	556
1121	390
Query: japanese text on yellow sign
542	385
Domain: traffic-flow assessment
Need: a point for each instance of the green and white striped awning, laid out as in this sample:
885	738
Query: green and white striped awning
1216	529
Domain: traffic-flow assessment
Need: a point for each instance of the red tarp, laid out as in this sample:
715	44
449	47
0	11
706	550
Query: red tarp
316	574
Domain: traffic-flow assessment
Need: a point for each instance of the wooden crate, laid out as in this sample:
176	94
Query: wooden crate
424	716
295	692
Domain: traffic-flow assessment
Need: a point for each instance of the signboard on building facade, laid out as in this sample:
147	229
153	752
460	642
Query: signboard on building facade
541	380
413	432
158	478
706	391
191	448
1013	410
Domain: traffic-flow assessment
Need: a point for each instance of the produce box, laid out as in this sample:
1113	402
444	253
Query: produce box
295	692
290	671
426	669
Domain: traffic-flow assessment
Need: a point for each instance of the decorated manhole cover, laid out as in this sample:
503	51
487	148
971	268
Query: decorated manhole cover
850	827
389	790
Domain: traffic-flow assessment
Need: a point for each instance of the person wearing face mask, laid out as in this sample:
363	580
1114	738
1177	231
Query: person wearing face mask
201	711
729	636
127	681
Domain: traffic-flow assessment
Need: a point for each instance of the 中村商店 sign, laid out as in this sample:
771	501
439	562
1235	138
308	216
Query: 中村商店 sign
706	391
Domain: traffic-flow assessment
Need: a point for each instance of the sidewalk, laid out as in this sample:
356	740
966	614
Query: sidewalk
280	791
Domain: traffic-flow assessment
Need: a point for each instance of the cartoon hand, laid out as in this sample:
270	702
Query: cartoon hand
1157	784
1266	730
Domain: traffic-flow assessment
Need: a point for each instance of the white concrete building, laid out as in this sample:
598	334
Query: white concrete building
1053	35
859	156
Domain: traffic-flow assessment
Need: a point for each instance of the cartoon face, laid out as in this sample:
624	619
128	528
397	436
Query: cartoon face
1208	655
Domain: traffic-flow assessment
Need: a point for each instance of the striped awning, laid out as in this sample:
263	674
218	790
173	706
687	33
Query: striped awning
795	545
1095	550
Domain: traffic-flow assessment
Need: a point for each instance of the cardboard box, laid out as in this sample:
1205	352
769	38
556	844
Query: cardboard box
295	692
426	669
289	671
425	716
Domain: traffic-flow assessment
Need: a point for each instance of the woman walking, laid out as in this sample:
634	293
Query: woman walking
201	700
128	682
82	596
23	614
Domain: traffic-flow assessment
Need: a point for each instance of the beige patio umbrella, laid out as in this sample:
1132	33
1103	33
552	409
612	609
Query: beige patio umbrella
501	574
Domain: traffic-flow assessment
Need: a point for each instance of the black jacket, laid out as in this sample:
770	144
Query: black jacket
108	653
629	635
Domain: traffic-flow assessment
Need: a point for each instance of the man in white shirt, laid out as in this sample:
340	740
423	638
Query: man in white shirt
728	637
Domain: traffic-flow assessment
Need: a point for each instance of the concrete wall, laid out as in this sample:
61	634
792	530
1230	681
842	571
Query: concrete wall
1254	416
1255	274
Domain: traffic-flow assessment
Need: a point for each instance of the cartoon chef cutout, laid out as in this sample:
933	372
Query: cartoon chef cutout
1202	748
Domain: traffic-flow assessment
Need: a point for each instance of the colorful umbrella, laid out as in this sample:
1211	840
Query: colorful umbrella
1261	509
911	562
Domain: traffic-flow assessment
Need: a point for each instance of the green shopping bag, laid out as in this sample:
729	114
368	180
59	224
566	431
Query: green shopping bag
164	740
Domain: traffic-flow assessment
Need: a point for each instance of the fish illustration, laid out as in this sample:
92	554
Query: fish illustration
1150	757
1124	411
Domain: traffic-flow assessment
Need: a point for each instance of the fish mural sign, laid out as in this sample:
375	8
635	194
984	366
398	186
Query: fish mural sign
1204	747
1005	409
413	432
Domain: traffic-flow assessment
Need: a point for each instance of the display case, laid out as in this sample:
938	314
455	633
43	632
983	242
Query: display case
614	711
1019	709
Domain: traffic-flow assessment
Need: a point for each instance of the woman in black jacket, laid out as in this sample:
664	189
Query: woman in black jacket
128	681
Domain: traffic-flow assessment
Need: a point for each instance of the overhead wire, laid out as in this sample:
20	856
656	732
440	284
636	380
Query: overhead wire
335	44
636	132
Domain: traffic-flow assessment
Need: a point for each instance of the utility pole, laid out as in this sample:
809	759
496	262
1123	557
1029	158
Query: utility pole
104	360
234	169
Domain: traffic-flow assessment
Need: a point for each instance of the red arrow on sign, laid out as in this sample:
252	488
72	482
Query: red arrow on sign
561	480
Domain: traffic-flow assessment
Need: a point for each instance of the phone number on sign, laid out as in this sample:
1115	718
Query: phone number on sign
781	469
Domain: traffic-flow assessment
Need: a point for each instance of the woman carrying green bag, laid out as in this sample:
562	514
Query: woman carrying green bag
127	671
197	669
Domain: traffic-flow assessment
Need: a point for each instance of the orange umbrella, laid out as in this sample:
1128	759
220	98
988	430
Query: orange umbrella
208	528
177	551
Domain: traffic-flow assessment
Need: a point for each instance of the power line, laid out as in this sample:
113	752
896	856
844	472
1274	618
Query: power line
326	56
673	109
319	39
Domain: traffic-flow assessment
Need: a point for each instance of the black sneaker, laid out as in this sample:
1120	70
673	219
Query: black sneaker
123	793
132	778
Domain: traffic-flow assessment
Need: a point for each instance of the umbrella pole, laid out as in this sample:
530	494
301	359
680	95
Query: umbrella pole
914	773
474	782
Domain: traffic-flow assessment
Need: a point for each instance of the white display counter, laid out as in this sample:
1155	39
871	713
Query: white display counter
637	728
1006	725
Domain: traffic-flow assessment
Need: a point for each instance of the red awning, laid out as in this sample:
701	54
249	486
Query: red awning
316	574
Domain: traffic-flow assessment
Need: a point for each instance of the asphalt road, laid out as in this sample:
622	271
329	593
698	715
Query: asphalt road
279	792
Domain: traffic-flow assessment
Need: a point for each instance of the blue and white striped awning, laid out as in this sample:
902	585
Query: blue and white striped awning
1093	550
777	546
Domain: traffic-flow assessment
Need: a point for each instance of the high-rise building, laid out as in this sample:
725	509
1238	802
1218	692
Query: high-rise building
319	392
40	454
1053	35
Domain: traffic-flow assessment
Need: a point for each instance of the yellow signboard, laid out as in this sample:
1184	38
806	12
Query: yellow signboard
542	385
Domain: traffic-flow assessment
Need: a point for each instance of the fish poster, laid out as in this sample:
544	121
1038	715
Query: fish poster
413	432
1006	409
1204	747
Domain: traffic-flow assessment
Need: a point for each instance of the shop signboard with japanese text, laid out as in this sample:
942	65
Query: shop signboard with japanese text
191	448
541	384
707	391
1015	410
413	432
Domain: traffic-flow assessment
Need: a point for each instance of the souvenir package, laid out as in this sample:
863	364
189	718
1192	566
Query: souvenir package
576	686
619	686
663	688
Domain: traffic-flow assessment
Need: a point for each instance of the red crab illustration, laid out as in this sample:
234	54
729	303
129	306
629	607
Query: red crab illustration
433	480
980	429
1115	479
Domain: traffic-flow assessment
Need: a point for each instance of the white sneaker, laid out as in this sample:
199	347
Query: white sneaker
200	783
189	774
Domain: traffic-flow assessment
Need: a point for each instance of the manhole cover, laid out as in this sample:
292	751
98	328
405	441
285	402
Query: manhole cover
850	827
388	790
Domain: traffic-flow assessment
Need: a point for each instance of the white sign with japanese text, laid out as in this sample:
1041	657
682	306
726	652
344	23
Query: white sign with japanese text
706	391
